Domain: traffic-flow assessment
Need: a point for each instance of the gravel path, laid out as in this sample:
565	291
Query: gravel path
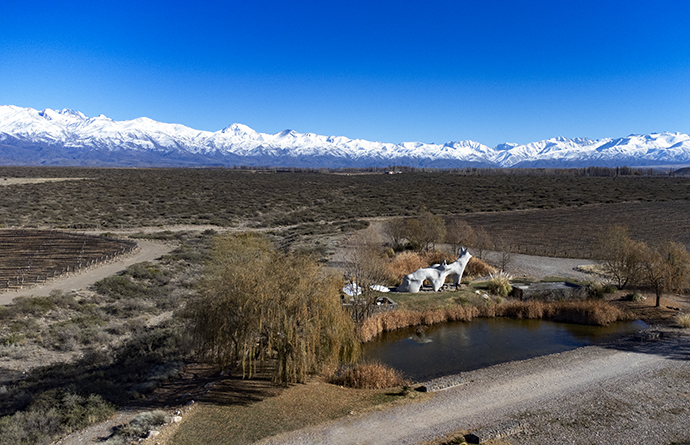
629	392
540	267
146	251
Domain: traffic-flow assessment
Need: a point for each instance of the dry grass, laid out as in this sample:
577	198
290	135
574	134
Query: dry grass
590	312
238	415
683	320
368	375
478	268
499	284
407	262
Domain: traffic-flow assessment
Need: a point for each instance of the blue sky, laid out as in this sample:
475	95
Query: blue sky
393	71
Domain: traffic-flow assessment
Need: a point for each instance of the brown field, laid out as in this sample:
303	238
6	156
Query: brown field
568	232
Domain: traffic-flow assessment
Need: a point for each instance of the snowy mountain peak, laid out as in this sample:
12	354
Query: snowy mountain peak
239	130
68	137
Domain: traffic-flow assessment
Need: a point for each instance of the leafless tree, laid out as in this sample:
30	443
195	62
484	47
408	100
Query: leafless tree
459	234
666	268
621	256
365	267
397	232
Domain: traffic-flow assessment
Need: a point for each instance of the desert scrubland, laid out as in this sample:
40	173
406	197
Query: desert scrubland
73	357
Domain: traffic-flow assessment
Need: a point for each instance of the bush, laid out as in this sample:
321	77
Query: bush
368	375
499	284
595	290
138	427
635	296
52	414
683	320
478	268
28	306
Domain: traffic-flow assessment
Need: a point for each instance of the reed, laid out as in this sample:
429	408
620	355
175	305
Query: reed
683	320
368	375
590	312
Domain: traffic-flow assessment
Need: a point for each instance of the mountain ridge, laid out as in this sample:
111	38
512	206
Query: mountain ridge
68	137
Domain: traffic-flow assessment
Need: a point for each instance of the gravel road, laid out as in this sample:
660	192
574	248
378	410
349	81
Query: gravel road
626	393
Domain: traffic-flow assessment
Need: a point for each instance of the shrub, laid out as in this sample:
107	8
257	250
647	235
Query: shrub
138	427
405	263
368	375
478	268
610	289
635	296
595	290
52	414
499	284
683	320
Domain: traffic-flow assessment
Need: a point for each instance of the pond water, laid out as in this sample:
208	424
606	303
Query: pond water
433	351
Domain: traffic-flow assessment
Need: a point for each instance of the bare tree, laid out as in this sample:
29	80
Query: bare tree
365	267
432	231
482	242
505	252
397	232
666	268
459	234
621	256
415	233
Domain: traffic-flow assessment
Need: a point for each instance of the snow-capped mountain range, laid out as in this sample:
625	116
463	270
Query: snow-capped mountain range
67	137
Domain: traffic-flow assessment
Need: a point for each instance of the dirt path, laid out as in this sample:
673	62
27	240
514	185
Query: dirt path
146	251
630	394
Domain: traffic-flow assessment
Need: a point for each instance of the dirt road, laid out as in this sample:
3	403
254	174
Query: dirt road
628	393
146	251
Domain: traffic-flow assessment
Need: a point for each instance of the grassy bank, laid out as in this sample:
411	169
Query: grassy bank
593	312
244	411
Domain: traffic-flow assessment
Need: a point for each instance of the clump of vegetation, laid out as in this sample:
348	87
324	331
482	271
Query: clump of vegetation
368	375
499	284
138	427
598	291
53	414
635	297
683	320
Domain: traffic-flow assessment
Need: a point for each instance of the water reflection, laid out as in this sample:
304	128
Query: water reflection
449	348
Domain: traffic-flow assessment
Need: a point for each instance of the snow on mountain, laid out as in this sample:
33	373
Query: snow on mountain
67	137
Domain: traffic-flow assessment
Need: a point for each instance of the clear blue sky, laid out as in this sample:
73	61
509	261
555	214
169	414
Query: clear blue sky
393	71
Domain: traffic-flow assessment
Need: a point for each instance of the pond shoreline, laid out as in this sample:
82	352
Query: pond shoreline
588	312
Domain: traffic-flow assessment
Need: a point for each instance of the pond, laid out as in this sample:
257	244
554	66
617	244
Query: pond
427	352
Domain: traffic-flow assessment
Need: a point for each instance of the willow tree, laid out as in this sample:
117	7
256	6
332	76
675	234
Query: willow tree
257	305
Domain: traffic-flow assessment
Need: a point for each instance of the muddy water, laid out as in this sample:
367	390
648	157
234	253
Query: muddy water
449	348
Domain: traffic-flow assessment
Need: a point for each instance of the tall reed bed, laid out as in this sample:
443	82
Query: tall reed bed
407	262
589	312
368	375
